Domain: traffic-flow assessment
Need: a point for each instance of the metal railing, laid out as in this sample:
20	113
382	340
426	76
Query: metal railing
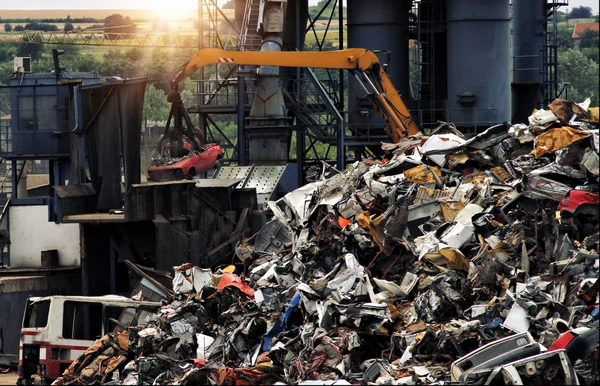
518	66
219	91
4	249
480	118
247	43
253	41
37	143
40	121
112	39
550	53
101	38
5	192
5	138
313	108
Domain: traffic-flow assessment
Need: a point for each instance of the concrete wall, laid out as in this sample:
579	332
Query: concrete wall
31	233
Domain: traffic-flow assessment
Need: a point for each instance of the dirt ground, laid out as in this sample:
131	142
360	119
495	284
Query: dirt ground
9	378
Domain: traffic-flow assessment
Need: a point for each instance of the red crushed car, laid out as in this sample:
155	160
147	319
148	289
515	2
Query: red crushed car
166	168
577	198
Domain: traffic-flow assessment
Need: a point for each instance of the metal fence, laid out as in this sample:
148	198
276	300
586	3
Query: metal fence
473	120
5	137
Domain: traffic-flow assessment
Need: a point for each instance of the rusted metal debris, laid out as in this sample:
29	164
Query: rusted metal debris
474	261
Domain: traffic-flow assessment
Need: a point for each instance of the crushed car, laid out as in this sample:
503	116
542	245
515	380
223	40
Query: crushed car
194	163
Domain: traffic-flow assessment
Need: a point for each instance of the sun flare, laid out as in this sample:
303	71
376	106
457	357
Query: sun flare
166	5
173	9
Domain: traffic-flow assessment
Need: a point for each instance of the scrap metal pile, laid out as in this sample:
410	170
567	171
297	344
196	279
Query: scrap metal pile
466	260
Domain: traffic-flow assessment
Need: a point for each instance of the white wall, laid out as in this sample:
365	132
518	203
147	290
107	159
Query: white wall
31	233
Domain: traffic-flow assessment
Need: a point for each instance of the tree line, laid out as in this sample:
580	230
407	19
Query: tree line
578	57
55	20
158	64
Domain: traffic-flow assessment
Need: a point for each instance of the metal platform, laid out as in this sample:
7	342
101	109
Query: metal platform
93	218
266	179
233	172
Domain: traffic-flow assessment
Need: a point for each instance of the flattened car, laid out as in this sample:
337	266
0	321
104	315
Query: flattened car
188	166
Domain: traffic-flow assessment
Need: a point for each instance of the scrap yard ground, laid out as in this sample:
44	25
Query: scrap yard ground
9	378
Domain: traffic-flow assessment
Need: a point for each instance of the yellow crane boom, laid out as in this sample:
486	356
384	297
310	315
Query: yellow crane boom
363	63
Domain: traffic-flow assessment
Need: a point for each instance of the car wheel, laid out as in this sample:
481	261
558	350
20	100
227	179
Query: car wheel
587	219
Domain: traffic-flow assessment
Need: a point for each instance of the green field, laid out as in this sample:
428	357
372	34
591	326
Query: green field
571	22
139	14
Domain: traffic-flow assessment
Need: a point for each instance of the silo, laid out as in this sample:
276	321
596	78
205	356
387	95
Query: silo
378	25
528	43
478	62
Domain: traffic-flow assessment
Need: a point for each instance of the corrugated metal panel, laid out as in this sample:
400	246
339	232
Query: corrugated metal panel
425	195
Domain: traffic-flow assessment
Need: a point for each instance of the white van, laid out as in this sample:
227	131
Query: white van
56	330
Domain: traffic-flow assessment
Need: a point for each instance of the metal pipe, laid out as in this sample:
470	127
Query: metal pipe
341	146
375	91
85	285
300	138
14	179
201	116
341	46
54	175
361	83
80	138
113	266
200	24
241	139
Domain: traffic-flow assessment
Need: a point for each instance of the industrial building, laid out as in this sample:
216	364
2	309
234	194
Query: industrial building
475	63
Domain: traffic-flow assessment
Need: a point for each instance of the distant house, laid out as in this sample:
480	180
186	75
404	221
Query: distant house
580	28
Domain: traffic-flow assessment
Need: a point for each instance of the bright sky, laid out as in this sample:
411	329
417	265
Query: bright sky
99	4
160	4
576	3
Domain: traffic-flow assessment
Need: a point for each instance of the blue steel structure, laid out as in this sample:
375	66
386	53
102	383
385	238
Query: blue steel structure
381	26
478	60
42	117
534	55
528	46
41	120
